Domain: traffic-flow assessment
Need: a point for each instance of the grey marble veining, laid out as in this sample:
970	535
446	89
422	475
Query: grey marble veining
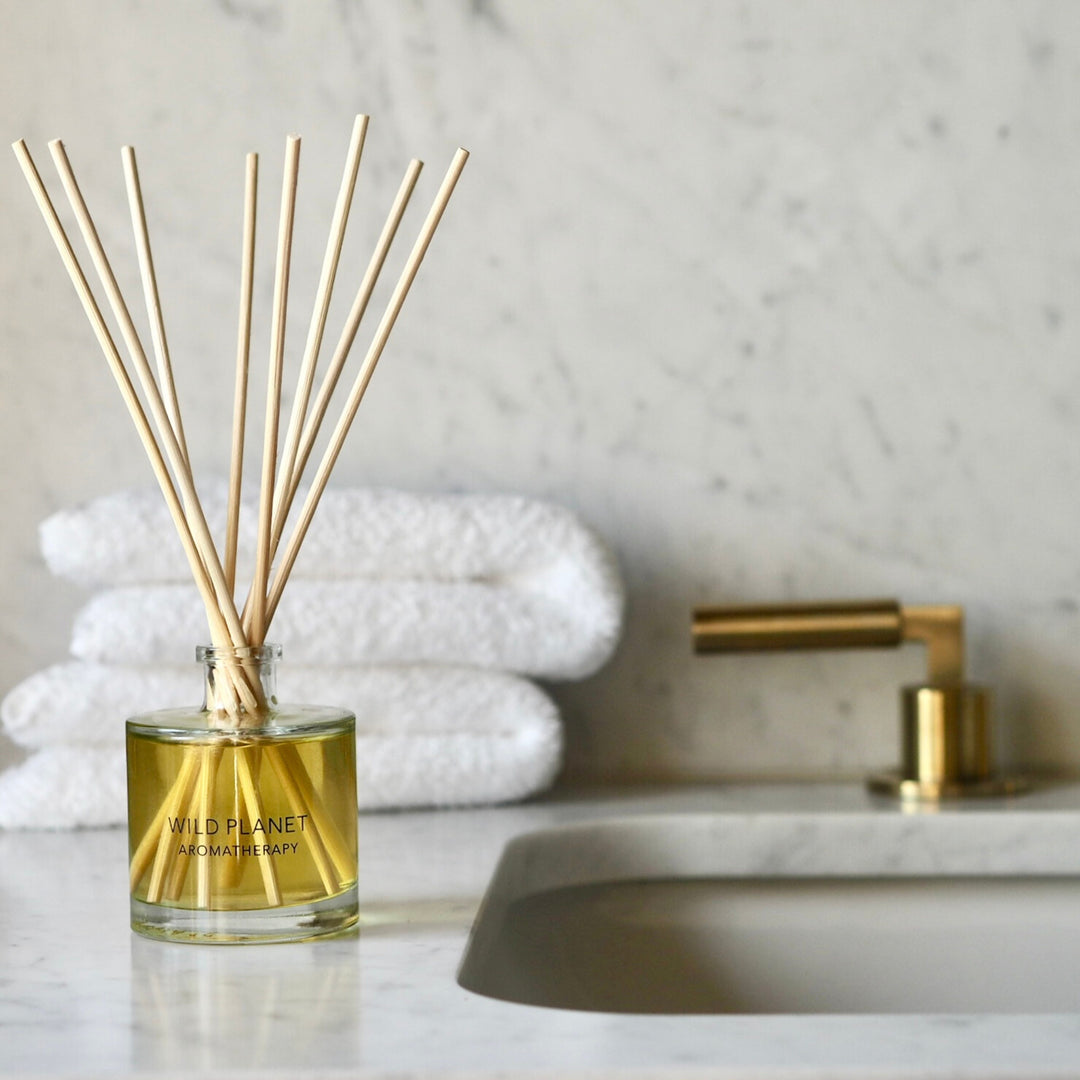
782	298
81	996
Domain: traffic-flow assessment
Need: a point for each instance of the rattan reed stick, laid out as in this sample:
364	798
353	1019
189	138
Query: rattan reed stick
255	812
316	328
210	759
218	628
363	377
147	846
255	629
164	853
182	472
341	352
153	300
287	775
291	772
243	357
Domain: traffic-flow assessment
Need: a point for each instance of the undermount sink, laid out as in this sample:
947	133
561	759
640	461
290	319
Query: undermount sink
660	916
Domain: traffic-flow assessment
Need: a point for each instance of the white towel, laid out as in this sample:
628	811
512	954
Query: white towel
495	581
366	622
426	736
65	787
128	538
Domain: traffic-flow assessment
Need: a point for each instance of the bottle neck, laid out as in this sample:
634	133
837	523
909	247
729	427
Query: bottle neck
239	685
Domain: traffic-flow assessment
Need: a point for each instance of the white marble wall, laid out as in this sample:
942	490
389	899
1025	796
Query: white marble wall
784	298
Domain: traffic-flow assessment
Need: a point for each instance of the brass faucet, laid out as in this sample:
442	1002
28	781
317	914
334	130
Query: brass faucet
946	741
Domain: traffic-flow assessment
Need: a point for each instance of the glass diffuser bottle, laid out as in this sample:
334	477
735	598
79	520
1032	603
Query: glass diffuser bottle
242	814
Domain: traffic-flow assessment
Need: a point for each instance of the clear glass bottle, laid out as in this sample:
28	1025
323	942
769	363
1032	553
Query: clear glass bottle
242	814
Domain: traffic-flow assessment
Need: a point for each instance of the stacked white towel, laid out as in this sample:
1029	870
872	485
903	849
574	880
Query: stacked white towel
421	613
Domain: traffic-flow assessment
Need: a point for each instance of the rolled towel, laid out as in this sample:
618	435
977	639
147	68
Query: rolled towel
331	624
426	736
491	580
127	538
65	787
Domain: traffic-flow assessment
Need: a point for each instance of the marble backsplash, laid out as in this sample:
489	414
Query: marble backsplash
783	298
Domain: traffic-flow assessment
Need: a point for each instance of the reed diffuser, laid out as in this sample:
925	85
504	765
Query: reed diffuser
242	813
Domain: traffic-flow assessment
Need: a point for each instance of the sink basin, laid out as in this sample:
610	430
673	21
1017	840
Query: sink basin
661	916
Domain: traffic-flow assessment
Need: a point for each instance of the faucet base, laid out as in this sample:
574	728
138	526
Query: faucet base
906	789
946	747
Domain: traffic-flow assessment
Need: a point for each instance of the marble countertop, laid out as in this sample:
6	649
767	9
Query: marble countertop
82	996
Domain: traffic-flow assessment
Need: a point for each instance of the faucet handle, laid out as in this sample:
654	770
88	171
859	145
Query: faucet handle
856	624
946	745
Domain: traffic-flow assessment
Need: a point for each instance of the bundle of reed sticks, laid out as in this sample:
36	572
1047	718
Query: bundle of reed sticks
242	627
164	439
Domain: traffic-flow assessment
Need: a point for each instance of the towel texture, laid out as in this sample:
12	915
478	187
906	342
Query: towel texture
426	736
331	623
65	787
128	538
496	581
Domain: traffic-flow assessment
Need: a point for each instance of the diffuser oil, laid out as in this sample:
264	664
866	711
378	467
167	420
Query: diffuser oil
242	820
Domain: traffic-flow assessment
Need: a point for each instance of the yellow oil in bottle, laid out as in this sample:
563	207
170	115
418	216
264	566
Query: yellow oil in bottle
240	820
